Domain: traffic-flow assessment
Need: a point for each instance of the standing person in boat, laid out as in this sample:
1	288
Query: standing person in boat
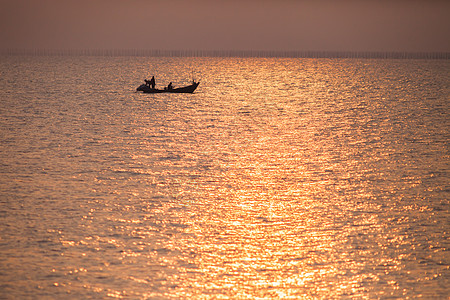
152	82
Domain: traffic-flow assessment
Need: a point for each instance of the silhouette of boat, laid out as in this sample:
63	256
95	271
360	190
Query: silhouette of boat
186	89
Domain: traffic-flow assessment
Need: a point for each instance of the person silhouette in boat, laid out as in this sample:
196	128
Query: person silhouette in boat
153	82
150	83
169	87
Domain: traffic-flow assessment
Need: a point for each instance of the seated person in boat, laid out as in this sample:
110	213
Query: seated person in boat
169	87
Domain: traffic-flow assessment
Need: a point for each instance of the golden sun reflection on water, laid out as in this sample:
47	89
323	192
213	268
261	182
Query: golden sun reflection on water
274	231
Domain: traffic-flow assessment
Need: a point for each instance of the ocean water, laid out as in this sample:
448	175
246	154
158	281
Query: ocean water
276	179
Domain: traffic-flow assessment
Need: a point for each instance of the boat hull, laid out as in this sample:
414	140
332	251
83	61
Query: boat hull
187	89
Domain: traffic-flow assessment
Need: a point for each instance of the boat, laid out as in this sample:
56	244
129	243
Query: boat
186	89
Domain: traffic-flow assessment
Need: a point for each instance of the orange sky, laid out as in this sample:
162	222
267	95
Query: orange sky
376	25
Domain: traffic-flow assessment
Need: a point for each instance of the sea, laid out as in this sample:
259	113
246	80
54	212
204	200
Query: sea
278	178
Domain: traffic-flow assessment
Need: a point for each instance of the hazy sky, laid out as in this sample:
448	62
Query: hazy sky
378	25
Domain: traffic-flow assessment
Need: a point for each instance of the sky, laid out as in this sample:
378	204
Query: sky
324	25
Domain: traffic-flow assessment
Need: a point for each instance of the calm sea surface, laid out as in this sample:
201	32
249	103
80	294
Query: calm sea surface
277	178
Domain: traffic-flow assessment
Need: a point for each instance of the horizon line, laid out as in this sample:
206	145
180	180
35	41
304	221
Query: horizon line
227	53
